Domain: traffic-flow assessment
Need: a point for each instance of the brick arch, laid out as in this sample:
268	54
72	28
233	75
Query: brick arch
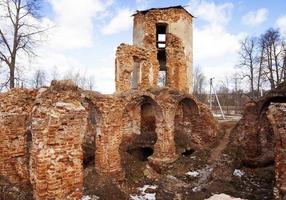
137	134
186	114
265	103
190	102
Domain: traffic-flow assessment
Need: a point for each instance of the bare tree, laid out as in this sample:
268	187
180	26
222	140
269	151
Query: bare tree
247	61
19	32
199	80
272	57
82	80
284	61
39	78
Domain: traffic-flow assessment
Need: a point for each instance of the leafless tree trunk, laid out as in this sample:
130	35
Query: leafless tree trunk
19	31
273	59
199	80
39	78
247	61
283	73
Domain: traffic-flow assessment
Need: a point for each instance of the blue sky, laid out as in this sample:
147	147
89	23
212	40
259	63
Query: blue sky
87	33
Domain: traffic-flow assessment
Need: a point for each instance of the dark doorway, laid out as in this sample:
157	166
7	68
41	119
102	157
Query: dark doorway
141	153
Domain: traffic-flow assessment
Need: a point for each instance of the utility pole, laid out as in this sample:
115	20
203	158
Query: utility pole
236	94
210	97
212	88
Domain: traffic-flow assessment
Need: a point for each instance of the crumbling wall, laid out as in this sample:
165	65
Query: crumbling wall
277	116
58	127
200	127
178	51
129	57
107	135
15	120
195	127
254	133
179	44
177	70
246	131
45	133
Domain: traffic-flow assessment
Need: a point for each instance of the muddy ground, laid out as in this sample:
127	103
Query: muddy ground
196	175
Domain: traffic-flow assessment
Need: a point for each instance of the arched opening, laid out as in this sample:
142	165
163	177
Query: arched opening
142	145
265	137
185	118
265	105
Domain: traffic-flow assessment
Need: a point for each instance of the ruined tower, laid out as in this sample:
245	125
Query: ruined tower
161	54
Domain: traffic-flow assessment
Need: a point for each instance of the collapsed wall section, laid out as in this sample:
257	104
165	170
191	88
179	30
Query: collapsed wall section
160	109
107	133
15	121
134	68
277	116
58	127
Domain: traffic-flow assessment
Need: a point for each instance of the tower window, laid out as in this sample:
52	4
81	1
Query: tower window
161	35
162	76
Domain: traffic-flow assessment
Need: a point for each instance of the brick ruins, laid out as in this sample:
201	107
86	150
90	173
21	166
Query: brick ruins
54	137
46	133
260	135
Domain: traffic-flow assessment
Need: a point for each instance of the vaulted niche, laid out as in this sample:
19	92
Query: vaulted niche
185	119
142	146
161	54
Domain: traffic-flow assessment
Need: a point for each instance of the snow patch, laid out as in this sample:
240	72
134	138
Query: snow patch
197	189
145	195
222	197
193	173
238	172
92	197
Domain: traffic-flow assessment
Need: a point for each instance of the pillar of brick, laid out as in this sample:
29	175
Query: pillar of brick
277	117
164	149
13	147
58	125
108	140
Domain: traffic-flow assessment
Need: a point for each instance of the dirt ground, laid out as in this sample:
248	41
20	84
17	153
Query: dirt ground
195	176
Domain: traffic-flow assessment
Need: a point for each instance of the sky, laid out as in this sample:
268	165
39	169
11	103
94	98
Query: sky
85	33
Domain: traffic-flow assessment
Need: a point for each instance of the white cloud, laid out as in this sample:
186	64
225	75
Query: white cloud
215	49
281	24
142	4
122	21
211	12
73	22
254	18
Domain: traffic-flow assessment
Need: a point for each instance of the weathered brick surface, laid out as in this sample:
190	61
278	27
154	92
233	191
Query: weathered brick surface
15	109
125	58
260	132
58	127
277	117
62	115
178	51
